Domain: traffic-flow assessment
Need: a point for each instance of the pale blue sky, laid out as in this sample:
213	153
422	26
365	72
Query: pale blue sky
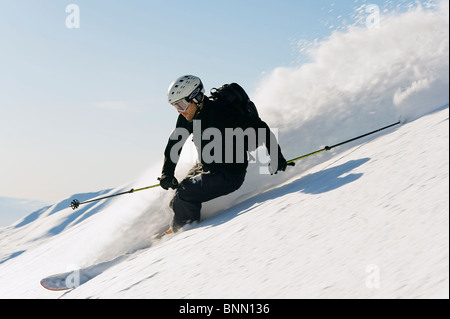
85	109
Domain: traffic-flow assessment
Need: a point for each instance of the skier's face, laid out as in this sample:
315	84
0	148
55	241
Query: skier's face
189	113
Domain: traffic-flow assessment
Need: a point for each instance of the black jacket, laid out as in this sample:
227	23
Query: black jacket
220	116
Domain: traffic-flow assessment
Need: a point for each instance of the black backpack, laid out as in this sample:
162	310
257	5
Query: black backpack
234	95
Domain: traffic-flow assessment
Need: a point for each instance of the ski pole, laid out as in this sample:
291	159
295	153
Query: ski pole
327	148
76	203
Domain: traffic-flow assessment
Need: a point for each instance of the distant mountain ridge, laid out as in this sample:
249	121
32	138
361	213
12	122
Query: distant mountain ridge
13	209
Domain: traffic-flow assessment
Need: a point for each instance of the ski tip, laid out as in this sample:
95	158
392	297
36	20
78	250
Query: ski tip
56	282
48	285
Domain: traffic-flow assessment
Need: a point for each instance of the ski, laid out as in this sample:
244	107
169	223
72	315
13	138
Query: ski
75	278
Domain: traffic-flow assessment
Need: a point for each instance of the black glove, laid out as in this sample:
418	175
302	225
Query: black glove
282	165
167	182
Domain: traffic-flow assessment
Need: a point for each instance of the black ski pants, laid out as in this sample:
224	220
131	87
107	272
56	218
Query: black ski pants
201	185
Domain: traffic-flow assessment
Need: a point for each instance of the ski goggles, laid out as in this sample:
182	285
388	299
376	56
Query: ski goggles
181	105
196	97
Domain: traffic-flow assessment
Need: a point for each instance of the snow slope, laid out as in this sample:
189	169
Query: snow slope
372	222
381	206
366	220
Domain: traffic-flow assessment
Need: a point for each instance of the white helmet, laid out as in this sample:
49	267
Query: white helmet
187	88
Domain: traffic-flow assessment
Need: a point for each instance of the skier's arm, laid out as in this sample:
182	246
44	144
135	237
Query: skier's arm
269	139
277	160
174	146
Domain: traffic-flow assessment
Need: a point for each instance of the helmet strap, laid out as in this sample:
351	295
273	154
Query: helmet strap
199	99
199	103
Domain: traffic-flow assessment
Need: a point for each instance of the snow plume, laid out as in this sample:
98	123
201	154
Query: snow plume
130	221
361	78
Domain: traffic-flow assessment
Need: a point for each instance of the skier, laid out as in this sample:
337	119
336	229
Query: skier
221	173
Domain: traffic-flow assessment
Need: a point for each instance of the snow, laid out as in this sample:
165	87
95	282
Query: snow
382	204
365	220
